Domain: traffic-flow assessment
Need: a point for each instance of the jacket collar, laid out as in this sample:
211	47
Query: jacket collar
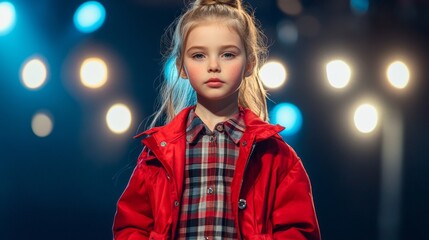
177	127
260	129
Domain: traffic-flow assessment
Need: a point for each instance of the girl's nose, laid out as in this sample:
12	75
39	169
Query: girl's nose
213	66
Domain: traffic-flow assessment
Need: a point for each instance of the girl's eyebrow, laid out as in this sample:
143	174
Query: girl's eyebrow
221	47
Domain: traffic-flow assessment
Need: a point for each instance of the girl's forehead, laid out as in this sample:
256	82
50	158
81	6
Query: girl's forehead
202	29
213	33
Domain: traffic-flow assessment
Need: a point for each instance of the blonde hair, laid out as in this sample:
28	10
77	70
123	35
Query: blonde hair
176	93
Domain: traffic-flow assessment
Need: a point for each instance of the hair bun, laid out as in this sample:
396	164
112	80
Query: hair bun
232	3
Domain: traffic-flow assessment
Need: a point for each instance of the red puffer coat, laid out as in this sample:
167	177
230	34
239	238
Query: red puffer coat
271	193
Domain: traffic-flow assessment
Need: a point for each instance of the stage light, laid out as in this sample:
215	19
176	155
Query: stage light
42	124
398	74
359	6
366	118
290	7
287	32
7	17
287	115
93	73
34	73
273	74
338	73
89	16
118	118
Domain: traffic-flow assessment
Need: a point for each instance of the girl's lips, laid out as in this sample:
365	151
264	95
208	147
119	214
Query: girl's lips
214	83
214	80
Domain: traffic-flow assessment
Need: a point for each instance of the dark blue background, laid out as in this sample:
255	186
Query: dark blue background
66	186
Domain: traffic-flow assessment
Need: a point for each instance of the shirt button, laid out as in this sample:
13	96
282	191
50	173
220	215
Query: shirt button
244	143
176	203
219	127
210	190
206	238
163	144
211	138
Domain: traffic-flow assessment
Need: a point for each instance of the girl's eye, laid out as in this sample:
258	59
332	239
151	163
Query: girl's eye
229	55
198	56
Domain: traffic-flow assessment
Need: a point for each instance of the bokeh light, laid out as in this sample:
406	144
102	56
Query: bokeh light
338	73
42	124
359	6
287	115
34	73
366	118
118	118
287	32
273	74
89	16
7	17
398	74
290	7
93	73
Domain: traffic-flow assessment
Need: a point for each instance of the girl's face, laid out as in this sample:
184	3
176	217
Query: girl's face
214	61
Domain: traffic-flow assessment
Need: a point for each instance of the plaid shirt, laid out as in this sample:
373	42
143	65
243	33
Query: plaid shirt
210	162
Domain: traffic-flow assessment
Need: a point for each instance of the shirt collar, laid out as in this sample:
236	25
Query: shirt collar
234	127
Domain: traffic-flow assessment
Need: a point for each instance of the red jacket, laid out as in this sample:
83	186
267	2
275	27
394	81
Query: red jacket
271	193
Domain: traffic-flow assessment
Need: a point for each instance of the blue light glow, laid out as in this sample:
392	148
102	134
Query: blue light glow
170	70
89	16
359	6
288	116
7	17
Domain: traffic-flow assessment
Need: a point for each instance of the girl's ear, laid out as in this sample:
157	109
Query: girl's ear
181	70
183	73
249	68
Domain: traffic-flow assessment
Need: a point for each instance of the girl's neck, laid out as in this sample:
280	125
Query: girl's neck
212	113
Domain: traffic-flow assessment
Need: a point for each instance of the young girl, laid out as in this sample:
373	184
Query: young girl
217	169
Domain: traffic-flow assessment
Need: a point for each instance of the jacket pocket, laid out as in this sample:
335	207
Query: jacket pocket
157	236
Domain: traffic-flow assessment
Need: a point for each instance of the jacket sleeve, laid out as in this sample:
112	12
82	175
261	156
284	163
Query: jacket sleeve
293	215
133	218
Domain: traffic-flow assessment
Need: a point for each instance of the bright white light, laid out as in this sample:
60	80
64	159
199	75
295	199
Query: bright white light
93	73
7	17
89	16
42	124
338	73
118	118
398	74
273	74
34	73
366	118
